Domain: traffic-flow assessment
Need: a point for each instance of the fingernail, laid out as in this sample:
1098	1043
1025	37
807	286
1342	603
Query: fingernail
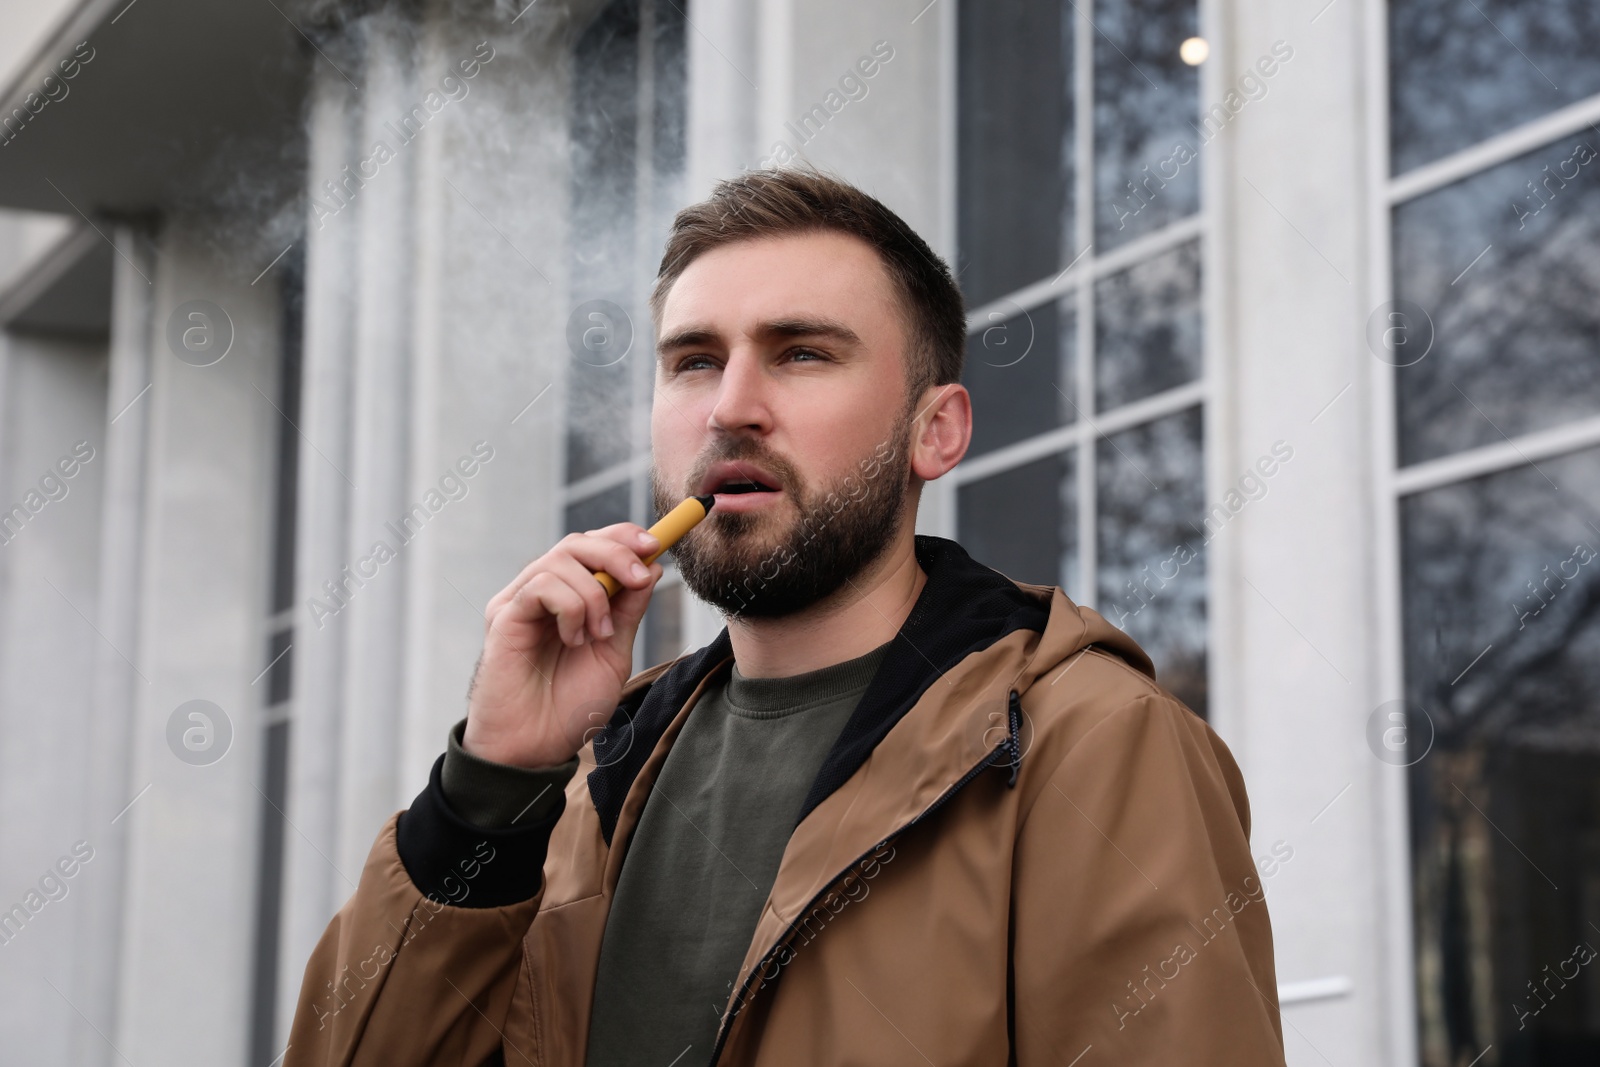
640	571
605	626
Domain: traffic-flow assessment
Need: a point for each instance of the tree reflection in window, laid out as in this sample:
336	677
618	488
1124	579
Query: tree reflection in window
1145	103
1147	328
1460	72
1502	652
1516	334
1151	546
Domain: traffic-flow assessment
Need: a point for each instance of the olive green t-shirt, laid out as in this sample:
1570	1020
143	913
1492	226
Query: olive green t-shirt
704	855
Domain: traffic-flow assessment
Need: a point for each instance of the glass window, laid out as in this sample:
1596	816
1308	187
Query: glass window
1015	120
1147	328
1501	600
1023	523
1020	373
1042	292
1151	546
1145	102
1506	267
1461	72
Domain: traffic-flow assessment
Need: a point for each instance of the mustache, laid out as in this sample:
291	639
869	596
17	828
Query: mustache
781	469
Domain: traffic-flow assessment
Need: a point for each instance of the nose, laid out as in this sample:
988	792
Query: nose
742	401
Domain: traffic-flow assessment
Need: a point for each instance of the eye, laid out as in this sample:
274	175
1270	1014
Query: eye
688	362
796	353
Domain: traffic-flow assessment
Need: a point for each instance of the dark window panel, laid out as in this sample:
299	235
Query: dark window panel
1462	72
1502	656
1023	522
605	118
1148	328
602	509
1015	157
1516	334
663	625
291	288
269	894
1145	104
1019	371
1151	546
280	654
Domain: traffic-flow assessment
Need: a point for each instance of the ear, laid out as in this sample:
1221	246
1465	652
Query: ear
942	430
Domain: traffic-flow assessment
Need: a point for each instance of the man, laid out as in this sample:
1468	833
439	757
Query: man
902	810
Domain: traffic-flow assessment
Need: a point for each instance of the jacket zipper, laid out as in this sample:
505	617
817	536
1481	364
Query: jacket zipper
1012	745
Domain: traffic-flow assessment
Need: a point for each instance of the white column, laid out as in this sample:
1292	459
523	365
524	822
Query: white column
313	888
724	94
193	836
489	326
381	353
1294	611
98	952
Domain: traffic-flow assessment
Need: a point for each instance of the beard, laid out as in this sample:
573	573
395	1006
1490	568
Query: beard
762	565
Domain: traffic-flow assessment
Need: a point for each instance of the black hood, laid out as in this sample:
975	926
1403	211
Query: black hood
965	606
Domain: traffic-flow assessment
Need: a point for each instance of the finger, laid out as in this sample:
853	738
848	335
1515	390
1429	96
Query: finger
600	553
579	576
546	595
503	597
626	533
636	537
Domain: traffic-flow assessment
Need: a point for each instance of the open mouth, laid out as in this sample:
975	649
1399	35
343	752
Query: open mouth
736	488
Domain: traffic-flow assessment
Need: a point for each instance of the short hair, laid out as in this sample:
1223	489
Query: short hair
782	201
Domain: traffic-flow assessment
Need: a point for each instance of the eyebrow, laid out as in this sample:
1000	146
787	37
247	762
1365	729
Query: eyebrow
695	336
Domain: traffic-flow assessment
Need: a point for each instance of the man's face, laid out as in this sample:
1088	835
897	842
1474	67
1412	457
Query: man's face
784	357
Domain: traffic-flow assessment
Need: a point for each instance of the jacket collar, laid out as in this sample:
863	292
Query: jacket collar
964	606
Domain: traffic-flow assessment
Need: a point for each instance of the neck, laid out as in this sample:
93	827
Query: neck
866	612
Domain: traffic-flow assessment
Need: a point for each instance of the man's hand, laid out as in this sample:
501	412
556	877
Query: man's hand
556	647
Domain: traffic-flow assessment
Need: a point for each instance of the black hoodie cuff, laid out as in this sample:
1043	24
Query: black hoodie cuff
455	862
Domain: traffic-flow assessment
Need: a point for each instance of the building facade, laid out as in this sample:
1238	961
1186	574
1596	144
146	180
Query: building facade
319	320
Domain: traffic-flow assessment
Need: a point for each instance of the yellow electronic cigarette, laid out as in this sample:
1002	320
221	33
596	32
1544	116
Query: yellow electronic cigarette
673	525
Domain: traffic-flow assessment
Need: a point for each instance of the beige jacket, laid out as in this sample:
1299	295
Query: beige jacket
1021	850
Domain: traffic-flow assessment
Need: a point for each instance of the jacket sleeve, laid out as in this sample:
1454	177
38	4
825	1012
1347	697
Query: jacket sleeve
1141	925
419	965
